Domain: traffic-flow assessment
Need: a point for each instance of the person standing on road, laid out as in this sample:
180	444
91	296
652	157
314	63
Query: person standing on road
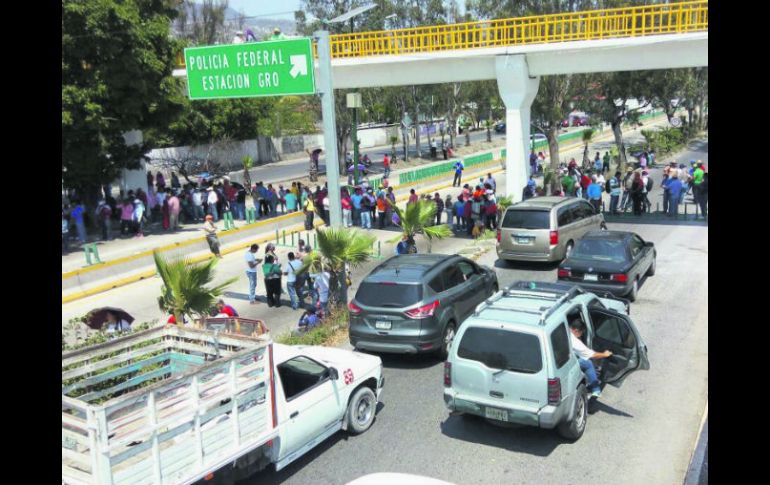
568	183
439	207
606	162
290	271
65	232
139	217
210	229
103	215
459	214
666	191
386	166
413	199
197	200
598	164
697	180
675	189
585	355
212	201
449	209
251	271
77	215
459	167
173	212
382	210
594	192
704	196
585	181
532	162
126	216
647	180
637	196
614	193
272	273
309	209
491	181
326	207
628	182
356	200
347	207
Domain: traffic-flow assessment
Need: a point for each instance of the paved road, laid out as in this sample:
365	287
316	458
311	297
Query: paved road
640	434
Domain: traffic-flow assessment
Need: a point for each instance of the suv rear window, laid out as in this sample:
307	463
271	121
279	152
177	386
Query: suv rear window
502	349
391	295
527	219
561	345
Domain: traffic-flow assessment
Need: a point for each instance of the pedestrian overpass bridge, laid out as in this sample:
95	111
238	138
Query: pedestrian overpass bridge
517	51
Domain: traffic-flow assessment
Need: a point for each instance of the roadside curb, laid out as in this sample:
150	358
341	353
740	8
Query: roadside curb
699	455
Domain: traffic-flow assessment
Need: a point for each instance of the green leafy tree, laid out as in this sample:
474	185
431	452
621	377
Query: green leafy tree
336	248
416	219
185	290
586	137
117	59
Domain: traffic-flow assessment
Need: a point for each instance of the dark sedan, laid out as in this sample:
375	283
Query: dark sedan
612	261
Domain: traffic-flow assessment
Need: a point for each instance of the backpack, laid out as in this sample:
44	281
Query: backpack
607	187
649	184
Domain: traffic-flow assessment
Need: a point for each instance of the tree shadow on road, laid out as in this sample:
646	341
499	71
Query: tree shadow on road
527	265
525	439
595	405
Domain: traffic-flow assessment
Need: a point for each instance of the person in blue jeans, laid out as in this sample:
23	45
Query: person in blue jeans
251	271
675	189
585	355
290	271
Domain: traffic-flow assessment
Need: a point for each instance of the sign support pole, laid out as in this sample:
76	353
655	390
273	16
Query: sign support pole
324	87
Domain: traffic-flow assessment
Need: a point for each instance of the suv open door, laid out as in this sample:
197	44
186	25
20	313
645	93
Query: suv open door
616	332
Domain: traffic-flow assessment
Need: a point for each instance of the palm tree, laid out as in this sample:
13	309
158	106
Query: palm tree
184	290
588	135
417	219
503	202
334	248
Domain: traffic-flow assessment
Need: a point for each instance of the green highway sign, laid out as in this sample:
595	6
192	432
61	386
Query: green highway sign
271	68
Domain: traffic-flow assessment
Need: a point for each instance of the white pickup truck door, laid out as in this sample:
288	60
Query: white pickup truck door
313	404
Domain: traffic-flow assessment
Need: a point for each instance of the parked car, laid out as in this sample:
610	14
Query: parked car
537	138
565	123
416	302
612	261
512	361
545	228
500	128
580	121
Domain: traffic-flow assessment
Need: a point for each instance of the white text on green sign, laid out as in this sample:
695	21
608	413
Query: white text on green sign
275	68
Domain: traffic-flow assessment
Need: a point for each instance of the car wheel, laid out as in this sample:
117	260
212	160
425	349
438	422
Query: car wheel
568	249
446	339
651	270
495	288
361	410
573	430
634	290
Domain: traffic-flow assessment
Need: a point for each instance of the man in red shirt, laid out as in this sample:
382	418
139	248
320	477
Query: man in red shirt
386	164
585	181
224	308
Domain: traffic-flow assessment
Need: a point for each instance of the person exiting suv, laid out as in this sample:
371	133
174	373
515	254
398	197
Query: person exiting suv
584	355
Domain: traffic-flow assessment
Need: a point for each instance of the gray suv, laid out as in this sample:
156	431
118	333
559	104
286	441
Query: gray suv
416	302
545	228
512	361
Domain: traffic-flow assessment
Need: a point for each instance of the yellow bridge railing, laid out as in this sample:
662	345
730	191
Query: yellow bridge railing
672	18
563	27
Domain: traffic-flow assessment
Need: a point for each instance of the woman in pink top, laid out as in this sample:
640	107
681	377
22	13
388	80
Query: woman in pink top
126	216
412	197
347	209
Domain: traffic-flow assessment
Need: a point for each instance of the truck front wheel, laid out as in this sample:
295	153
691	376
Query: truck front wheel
361	410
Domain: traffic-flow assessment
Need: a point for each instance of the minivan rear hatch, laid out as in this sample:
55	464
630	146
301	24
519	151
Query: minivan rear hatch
501	368
526	230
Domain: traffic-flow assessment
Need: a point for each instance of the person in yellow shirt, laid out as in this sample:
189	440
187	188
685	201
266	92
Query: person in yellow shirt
309	208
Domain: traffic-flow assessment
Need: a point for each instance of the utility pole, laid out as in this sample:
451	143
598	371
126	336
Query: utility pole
324	86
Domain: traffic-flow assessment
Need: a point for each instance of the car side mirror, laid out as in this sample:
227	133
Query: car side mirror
333	374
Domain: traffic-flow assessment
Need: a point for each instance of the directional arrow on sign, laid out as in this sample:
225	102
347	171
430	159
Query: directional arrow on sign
298	65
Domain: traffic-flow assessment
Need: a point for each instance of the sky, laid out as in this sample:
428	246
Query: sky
282	9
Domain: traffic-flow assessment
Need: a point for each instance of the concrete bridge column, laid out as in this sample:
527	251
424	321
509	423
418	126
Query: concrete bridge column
517	89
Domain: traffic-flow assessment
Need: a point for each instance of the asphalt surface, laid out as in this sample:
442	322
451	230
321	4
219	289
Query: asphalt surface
641	433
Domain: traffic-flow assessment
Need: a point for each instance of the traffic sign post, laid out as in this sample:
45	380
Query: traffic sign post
273	68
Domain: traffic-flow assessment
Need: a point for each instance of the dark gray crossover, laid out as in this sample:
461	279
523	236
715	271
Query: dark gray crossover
416	302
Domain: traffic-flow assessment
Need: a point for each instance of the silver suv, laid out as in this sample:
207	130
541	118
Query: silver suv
545	228
512	360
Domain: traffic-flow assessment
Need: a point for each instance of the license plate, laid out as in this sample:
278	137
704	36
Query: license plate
380	325
591	277
494	413
524	240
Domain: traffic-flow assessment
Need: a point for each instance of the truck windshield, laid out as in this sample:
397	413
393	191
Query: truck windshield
502	349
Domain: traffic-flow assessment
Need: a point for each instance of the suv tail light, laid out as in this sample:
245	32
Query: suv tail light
354	309
447	374
554	238
564	273
424	311
621	278
554	391
499	235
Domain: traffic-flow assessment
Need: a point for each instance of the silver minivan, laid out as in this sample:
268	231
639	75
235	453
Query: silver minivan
545	228
512	361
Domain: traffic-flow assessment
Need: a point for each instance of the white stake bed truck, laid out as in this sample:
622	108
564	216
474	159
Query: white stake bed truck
176	405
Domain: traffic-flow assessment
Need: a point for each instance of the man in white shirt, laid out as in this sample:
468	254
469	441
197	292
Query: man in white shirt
197	200
584	355
491	181
290	271
212	202
251	271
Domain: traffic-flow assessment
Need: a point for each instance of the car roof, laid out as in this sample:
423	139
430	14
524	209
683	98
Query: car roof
529	303
542	203
407	267
608	235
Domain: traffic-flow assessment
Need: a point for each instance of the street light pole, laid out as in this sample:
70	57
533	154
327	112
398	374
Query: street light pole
354	102
324	86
